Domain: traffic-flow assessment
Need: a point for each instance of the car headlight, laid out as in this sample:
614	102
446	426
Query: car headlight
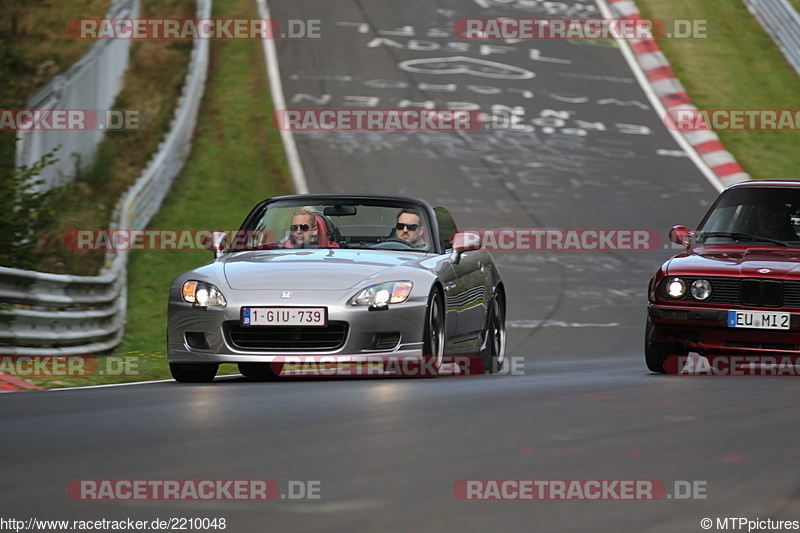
202	294
383	294
676	288
701	289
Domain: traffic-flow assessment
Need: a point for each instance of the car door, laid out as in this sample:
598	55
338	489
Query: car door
466	294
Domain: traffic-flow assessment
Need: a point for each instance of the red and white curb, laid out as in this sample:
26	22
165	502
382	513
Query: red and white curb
11	383
674	97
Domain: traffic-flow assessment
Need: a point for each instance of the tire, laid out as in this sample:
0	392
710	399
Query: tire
493	355
656	353
194	372
433	336
259	371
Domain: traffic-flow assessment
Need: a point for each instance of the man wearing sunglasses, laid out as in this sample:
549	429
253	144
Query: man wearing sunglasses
409	227
304	232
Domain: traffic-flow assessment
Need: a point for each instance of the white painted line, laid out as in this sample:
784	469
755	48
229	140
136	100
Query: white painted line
90	386
279	103
84	387
109	385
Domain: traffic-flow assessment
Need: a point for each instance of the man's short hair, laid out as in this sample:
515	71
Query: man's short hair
305	211
410	211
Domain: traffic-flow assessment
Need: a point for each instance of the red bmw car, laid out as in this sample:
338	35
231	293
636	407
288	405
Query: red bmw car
736	288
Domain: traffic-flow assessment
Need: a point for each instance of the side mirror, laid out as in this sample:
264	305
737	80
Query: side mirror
465	242
217	242
680	235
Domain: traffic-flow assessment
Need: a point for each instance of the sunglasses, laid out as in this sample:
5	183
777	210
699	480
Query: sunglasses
301	227
411	227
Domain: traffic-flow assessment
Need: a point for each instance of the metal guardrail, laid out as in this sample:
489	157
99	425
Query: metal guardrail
781	20
93	82
54	314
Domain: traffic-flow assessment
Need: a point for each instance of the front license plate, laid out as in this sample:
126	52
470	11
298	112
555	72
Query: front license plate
284	316
758	320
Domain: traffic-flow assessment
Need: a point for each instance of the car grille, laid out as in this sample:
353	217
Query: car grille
761	293
286	338
746	292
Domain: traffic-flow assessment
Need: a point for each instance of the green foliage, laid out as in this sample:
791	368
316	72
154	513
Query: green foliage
23	203
25	207
15	69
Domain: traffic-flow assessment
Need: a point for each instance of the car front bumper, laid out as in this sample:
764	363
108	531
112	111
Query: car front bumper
704	329
215	335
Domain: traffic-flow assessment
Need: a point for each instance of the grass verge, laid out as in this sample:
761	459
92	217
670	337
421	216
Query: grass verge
740	68
237	160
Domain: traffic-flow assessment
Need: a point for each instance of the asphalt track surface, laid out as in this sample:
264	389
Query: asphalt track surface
388	452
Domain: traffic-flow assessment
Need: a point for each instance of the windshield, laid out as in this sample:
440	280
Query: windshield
768	216
340	224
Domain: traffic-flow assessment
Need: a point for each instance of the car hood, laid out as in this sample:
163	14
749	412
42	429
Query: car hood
323	269
739	261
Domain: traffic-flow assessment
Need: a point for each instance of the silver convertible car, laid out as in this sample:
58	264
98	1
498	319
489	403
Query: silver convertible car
342	277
